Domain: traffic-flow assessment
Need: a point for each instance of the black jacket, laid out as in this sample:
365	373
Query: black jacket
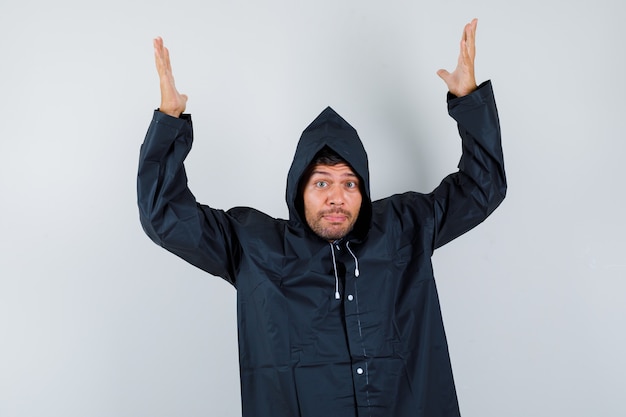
378	350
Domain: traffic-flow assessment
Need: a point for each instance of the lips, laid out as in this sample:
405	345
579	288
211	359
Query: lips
338	218
335	216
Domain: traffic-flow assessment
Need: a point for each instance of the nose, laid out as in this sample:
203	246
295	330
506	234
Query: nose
335	196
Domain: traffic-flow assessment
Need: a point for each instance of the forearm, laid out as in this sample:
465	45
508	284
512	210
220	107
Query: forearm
161	176
466	198
482	158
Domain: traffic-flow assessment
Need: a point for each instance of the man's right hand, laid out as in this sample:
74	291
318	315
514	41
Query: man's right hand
172	102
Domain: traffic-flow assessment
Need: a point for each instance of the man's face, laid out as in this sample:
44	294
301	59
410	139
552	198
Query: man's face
332	200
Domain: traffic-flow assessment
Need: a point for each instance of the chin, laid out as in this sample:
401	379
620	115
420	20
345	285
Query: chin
333	234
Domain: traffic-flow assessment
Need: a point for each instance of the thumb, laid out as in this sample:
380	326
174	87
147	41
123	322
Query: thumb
443	74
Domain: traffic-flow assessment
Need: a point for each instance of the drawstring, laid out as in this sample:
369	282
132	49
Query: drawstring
356	261
356	268
332	251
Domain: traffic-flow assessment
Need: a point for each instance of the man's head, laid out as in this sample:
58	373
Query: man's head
330	153
331	195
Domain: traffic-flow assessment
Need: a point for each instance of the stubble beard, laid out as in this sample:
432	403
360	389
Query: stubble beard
331	231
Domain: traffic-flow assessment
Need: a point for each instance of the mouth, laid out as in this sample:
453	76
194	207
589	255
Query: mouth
335	216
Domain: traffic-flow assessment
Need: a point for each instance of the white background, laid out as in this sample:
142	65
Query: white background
96	320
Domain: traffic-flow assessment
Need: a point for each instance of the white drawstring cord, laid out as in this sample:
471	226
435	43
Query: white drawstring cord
332	251
356	261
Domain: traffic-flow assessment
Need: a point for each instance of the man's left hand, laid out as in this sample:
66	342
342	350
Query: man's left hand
462	81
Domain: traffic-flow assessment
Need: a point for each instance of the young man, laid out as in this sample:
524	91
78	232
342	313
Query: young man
338	313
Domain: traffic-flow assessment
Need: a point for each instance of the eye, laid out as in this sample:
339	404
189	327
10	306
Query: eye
351	184
321	184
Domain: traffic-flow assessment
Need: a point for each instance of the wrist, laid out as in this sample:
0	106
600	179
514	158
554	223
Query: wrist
169	112
466	90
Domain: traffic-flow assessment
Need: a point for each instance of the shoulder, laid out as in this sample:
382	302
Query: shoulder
251	218
402	220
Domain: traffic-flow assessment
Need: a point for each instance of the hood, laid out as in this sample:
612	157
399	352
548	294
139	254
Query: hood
330	129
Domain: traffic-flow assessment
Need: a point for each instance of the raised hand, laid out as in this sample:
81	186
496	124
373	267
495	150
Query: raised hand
462	81
172	102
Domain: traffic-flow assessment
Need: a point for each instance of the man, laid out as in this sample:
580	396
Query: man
338	313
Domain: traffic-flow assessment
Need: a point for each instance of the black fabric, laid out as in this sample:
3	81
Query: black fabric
380	350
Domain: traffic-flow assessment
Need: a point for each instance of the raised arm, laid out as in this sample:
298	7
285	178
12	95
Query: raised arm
466	198
168	211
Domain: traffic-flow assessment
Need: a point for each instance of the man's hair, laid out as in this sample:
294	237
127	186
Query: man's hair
326	156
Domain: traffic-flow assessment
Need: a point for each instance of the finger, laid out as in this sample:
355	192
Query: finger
158	46
467	33
157	42
466	46
471	39
443	74
471	34
464	54
158	54
166	60
464	40
162	57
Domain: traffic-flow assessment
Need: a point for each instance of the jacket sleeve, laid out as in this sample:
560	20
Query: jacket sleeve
464	199
168	211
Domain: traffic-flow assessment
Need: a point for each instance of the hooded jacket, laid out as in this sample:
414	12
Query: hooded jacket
343	329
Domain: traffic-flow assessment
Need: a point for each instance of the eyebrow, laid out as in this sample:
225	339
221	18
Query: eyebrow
319	172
